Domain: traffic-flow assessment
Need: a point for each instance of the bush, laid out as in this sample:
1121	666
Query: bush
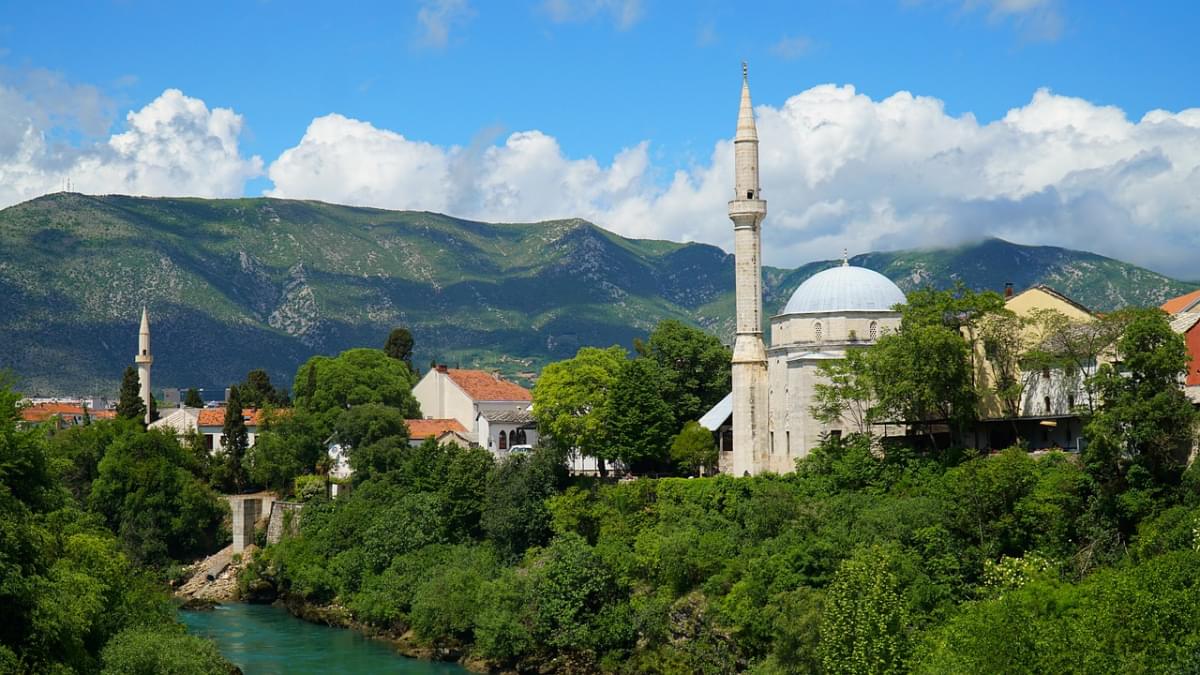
149	651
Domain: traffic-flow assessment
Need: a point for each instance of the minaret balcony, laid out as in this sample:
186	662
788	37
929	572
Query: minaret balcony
748	207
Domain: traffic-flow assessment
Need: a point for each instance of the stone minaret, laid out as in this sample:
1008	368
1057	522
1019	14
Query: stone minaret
143	361
747	211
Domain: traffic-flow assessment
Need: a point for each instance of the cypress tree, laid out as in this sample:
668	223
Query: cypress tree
399	346
130	405
236	440
192	398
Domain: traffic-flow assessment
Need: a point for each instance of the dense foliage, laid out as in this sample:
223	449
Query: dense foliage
74	596
921	558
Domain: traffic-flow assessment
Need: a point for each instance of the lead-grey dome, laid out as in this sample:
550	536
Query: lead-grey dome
845	289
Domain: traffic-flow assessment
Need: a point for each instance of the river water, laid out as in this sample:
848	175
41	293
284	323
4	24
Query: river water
263	639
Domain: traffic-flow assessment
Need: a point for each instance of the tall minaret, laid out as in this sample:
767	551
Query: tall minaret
747	211
143	361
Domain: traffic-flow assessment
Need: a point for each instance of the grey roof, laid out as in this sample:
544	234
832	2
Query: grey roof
508	416
1183	322
716	416
845	289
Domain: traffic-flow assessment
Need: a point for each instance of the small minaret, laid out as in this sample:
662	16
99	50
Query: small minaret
747	210
143	361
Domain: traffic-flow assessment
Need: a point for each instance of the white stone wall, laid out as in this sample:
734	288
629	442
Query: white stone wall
440	398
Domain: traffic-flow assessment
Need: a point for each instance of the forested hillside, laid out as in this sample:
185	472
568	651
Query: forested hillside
238	284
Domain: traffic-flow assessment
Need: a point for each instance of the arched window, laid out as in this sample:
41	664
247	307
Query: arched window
817	331
503	440
874	331
518	437
1046	403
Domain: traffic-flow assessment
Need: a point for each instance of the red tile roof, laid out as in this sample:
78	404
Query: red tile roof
484	386
41	412
422	429
215	417
1176	305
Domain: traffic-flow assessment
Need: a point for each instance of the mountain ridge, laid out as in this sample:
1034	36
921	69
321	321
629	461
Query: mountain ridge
234	284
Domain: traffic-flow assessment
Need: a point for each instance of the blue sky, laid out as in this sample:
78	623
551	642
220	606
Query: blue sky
656	81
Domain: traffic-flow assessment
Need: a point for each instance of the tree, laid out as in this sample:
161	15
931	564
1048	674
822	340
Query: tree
158	509
286	447
130	405
354	377
1074	347
695	367
1145	425
236	440
192	398
570	399
694	449
399	346
140	650
515	515
865	622
639	421
845	392
1006	340
257	391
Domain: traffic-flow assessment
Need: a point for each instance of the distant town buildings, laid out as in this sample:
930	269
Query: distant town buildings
494	412
1185	320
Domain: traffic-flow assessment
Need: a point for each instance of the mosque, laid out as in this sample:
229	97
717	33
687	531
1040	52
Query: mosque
765	423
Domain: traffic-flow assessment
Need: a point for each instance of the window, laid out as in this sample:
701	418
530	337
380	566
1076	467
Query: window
1071	401
772	442
749	194
788	441
1046	405
874	330
727	440
1046	373
518	437
208	441
503	440
835	434
817	331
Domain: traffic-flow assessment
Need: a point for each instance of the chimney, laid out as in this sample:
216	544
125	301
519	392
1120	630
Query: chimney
441	368
1008	289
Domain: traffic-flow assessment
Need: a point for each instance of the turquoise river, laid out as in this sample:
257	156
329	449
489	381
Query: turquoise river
263	639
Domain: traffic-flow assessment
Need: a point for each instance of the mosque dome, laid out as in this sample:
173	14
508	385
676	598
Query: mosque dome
845	289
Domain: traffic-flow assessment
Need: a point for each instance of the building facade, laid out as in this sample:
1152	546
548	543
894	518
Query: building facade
489	407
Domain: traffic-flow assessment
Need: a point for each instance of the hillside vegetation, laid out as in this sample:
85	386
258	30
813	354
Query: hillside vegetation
243	283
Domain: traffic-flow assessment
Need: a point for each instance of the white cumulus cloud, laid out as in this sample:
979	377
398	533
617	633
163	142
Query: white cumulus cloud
839	169
175	145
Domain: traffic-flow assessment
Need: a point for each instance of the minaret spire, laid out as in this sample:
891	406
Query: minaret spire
747	210
143	361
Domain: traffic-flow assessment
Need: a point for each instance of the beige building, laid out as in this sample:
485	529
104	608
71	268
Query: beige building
490	408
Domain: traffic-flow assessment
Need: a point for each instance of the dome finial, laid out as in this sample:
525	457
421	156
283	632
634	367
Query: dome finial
845	257
745	72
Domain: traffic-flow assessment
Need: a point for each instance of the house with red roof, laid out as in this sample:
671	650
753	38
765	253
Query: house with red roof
494	411
62	414
1185	320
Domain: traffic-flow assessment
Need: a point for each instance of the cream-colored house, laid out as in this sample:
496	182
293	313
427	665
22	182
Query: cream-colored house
1051	398
484	403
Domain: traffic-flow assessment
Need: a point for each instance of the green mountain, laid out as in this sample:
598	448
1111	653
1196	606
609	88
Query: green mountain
244	283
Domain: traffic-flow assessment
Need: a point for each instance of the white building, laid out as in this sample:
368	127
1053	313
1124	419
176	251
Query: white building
765	423
488	406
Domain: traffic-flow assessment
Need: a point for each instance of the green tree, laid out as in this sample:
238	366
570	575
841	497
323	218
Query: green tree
399	346
158	509
142	651
515	515
236	440
130	405
257	391
695	367
845	392
694	449
354	377
1142	432
192	398
864	627
570	399
285	447
640	422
